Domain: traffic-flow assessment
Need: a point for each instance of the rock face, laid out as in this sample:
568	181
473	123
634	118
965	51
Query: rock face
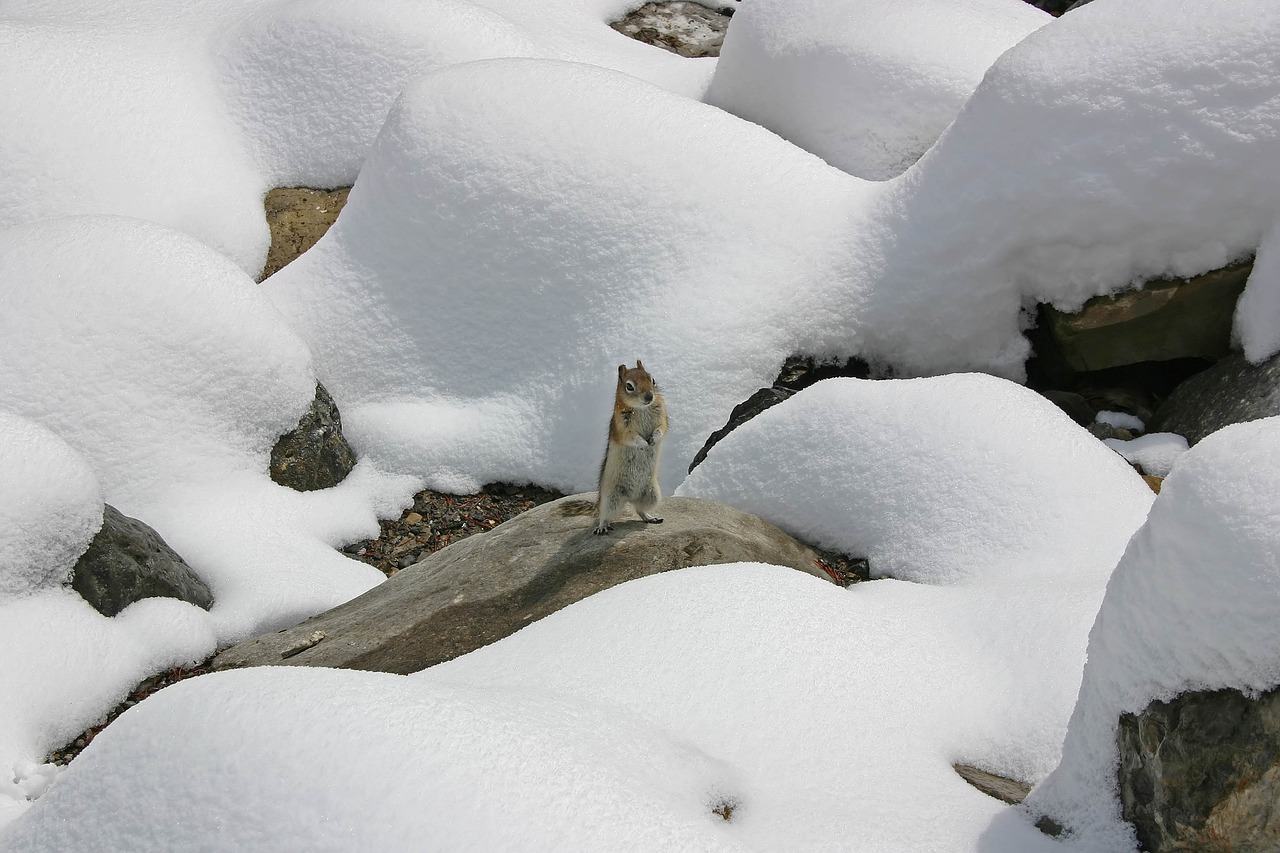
483	588
1231	391
1165	320
128	561
682	27
1202	772
298	217
314	454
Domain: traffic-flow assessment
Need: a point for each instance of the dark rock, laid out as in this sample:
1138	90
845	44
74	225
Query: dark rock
1165	319
314	454
298	217
1001	787
755	404
483	588
1231	391
682	27
1075	405
128	561
1202	772
1053	7
798	373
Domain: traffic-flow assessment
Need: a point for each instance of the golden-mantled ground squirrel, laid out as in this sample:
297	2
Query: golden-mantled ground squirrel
629	472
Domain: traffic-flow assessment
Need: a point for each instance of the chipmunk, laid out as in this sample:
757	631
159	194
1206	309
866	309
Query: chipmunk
629	472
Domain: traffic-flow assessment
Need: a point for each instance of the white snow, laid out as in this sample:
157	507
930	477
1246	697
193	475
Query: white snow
1257	320
538	199
868	85
50	507
1193	605
1121	420
933	480
1155	453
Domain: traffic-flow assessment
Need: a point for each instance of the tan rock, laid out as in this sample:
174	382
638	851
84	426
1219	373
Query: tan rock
483	588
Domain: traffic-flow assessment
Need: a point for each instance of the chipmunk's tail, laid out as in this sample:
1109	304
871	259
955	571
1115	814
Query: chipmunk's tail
577	507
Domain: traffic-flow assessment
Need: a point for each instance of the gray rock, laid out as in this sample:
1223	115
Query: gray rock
1074	405
1164	320
1231	391
128	561
1202	772
314	454
483	588
1011	791
682	27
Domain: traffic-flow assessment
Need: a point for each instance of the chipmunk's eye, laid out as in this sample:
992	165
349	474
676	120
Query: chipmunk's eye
631	387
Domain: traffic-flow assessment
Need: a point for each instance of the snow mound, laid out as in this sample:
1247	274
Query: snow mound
619	723
1090	156
50	507
1154	453
868	85
933	480
145	350
1193	605
311	81
593	219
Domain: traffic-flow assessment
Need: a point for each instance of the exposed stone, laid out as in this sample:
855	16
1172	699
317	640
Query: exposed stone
1166	319
314	454
685	28
490	585
798	372
1001	787
1202	772
1074	405
128	561
1231	391
298	217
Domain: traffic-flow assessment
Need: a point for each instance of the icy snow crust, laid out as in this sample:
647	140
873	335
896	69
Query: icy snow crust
520	225
867	85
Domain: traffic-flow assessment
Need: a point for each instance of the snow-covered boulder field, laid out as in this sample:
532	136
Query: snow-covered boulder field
538	198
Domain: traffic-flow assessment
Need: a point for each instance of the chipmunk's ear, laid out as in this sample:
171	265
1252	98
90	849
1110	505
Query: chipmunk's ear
622	371
639	364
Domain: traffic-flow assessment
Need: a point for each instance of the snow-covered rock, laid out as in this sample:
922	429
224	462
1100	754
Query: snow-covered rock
868	85
50	507
932	480
1193	605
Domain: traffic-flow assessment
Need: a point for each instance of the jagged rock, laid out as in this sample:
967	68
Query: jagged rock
1231	391
1166	319
314	454
128	561
483	588
743	412
1202	772
682	27
298	217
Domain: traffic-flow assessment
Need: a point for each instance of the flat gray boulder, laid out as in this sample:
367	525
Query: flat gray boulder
488	586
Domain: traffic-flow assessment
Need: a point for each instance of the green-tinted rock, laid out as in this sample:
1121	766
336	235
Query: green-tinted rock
1165	320
1202	772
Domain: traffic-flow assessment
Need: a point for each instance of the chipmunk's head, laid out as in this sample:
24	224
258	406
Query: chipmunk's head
636	387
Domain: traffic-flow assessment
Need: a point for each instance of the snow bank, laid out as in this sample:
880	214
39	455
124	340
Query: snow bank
867	86
151	354
1193	605
170	376
1126	140
50	507
311	81
619	723
933	480
499	257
